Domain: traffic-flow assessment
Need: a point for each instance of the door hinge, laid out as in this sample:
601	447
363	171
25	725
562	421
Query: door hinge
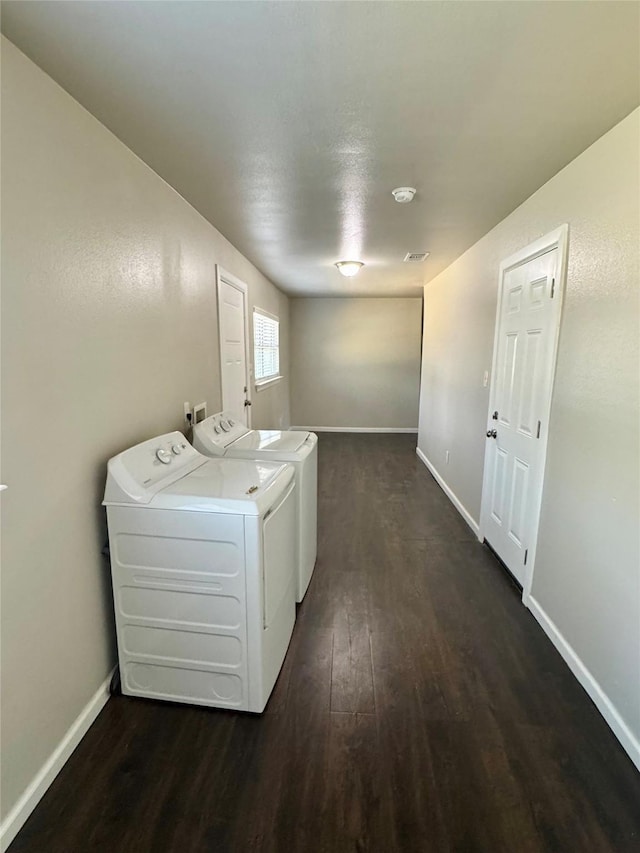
538	433
525	556
553	287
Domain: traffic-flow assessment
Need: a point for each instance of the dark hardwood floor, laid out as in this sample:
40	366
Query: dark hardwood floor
420	708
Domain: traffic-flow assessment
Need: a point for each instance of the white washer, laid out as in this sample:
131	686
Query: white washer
225	434
203	569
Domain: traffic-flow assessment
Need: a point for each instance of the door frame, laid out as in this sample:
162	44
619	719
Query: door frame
223	276
556	239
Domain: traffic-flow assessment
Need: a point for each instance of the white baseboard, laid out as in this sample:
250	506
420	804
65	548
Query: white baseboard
464	512
18	815
621	730
354	429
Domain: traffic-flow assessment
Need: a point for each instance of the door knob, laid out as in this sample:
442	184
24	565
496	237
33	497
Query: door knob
492	433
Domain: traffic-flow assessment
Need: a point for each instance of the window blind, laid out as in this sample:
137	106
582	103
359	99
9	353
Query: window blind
266	345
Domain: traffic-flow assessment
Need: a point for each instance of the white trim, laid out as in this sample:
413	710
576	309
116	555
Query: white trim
621	730
557	239
234	281
258	310
38	786
263	384
464	512
354	429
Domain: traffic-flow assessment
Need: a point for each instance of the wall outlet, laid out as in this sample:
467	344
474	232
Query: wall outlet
446	457
187	414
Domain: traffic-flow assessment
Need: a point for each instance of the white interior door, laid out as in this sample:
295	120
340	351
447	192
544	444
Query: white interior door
234	346
525	347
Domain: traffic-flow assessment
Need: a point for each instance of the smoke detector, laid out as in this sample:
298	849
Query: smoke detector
403	195
416	257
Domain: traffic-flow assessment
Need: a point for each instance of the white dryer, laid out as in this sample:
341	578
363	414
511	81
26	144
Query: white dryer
225	434
203	570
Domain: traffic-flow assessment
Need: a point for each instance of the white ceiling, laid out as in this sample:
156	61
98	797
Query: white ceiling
287	124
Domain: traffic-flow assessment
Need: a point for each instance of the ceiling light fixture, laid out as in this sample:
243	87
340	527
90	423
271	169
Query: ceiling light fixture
349	268
403	195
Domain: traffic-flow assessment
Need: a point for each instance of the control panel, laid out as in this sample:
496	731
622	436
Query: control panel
217	432
141	471
221	424
163	455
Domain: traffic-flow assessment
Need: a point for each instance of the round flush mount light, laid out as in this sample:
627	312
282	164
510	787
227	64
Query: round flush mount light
349	268
403	195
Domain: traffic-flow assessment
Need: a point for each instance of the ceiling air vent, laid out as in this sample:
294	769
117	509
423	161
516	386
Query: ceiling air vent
416	257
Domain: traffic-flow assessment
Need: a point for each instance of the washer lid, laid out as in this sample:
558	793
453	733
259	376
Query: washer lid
238	486
270	439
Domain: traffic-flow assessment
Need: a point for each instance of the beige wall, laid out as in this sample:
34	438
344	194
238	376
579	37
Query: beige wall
356	363
587	573
108	326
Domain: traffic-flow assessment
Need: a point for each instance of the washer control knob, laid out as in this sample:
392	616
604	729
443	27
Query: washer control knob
176	450
163	456
217	429
224	425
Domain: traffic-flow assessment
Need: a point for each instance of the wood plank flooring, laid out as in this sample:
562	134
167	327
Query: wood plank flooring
420	710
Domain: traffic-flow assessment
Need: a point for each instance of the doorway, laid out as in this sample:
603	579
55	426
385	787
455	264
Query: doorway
530	296
233	328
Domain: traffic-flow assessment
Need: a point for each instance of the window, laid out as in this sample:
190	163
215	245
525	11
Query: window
266	346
